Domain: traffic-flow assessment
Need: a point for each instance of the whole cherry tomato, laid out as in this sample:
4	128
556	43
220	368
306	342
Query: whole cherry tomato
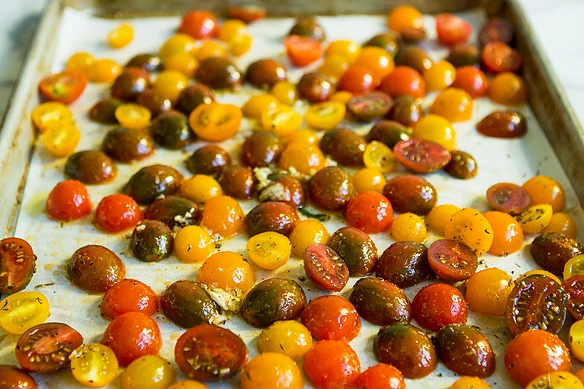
404	81
68	200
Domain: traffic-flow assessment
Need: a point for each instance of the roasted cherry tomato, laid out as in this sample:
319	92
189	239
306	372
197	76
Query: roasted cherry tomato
61	139
508	198
199	24
23	310
120	36
116	213
370	212
223	216
467	382
332	318
287	337
95	268
357	79
503	124
421	156
325	116
332	364
409	227
437	129
215	122
574	288
452	29
405	20
472	80
128	296
94	365
508	89
325	268
46	348
269	250
65	87
546	190
68	201
487	291
271	370
379	156
454	104
562	223
410	193
552	251
302	50
439	216
50	113
17	264
227	271
381	376
246	13
404	81
471	227
556	380
440	76
150	371
133	116
498	57
507	234
187	304
12	377
438	305
496	30
281	120
404	263
380	302
452	260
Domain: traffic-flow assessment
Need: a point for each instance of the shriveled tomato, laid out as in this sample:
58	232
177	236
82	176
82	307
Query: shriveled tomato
208	352
129	296
421	156
68	200
23	310
94	365
381	376
64	87
215	122
131	336
199	24
452	29
452	260
325	268
498	57
438	305
332	364
17	264
46	348
332	318
370	212
117	212
302	50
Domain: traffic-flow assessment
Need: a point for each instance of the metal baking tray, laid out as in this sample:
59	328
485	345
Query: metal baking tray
17	137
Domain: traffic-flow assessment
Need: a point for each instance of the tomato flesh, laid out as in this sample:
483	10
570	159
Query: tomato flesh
498	57
508	198
574	288
452	260
301	50
17	264
452	29
21	311
421	156
325	268
64	87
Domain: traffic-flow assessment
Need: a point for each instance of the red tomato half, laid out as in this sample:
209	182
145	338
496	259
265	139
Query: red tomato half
199	25
404	81
301	50
332	364
68	201
371	212
452	29
17	264
381	376
117	212
129	296
64	87
498	57
131	336
438	305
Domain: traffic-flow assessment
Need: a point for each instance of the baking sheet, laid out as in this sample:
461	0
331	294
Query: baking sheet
499	160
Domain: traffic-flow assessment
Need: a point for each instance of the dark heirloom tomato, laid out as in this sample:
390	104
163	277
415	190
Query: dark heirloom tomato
574	288
64	87
389	41
344	146
149	62
331	188
209	353
370	106
437	305
17	264
370	212
151	241
117	213
421	156
95	268
536	302
264	73
404	263
452	260
208	159
381	376
496	30
237	182
150	182
246	13
409	193
503	124
271	216
357	79
380	302
272	300
193	96
462	165
12	377
406	111
315	88
128	85
175	212
90	167
546	353
508	198
104	110
325	267
187	304
308	27
171	130
356	248
552	250
68	201
498	57
465	351
46	348
332	318
389	132
284	188
219	73
464	55
132	335
406	347
127	144
414	57
260	149
128	295
332	364
404	81
199	24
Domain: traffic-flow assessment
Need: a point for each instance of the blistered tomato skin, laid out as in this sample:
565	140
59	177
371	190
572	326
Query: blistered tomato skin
69	200
438	305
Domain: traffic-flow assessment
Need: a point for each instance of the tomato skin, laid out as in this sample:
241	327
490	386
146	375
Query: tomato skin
301	50
132	335
357	80
199	25
472	80
381	376
371	212
52	343
117	213
246	13
332	318
404	81
534	353
452	29
129	296
68	200
215	122
498	57
12	377
64	87
438	305
332	364
17	264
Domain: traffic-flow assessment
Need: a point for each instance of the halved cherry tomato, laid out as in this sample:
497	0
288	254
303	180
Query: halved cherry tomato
498	57
357	80
332	318
546	190
215	122
379	156
17	264
117	212
199	24
404	81
536	302
208	352
472	80
332	364
370	106
381	376
438	305
68	201
325	267
421	156
452	29
487	291
50	113
507	234
61	138
452	260
131	336
370	212
574	288
301	50
64	87
557	380
471	227
133	116
23	310
94	365
508	198
129	296
120	36
281	120
12	377
46	348
325	116
496	30
246	13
